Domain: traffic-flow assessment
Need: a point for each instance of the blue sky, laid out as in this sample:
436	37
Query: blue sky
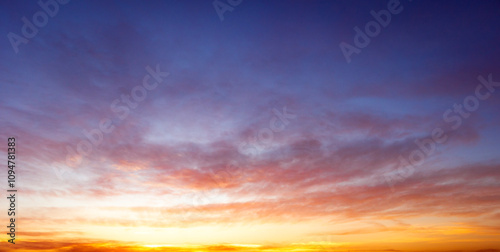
349	122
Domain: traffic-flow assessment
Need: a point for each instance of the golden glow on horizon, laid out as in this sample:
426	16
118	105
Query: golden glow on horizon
160	246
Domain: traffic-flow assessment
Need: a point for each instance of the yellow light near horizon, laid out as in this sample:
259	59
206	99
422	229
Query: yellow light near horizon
155	246
246	245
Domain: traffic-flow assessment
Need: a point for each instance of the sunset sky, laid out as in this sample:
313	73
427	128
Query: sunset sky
167	126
